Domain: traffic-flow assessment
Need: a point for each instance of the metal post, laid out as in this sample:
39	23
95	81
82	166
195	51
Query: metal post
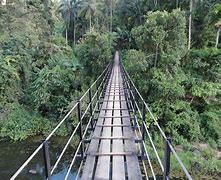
167	152
103	86
98	103
47	160
80	130
134	104
135	96
143	128
126	92
91	108
130	97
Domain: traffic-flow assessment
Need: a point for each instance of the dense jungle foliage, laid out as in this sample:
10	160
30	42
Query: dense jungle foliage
40	73
51	51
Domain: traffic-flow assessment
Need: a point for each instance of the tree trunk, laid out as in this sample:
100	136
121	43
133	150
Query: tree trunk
111	16
217	36
190	23
107	25
155	3
74	30
96	24
139	13
177	3
74	35
66	35
90	23
156	55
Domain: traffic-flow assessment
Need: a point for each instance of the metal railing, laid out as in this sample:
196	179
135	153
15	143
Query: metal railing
134	99
91	98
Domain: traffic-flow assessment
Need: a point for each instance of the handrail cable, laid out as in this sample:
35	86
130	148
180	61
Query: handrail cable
139	130
149	136
77	128
96	105
73	159
158	126
58	125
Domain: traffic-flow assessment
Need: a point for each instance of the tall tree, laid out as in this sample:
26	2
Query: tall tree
216	15
218	25
75	6
111	15
108	4
212	19
69	9
190	24
89	9
155	3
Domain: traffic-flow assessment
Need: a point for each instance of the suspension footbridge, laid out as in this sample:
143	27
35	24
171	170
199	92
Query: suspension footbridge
111	132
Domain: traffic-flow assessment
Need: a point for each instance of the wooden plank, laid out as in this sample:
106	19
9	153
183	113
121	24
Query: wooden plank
117	116
116	109
113	125
133	167
90	161
118	170
103	164
112	100
111	154
113	137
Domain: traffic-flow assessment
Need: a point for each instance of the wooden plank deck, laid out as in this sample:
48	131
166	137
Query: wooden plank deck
112	153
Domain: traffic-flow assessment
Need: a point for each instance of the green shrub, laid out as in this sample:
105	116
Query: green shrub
19	123
94	52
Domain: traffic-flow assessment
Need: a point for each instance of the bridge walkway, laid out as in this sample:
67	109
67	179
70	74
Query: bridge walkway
112	152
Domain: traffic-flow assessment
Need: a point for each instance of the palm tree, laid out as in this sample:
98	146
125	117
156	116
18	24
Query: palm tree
110	6
68	9
216	14
75	8
109	11
64	9
190	24
218	26
106	12
89	8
